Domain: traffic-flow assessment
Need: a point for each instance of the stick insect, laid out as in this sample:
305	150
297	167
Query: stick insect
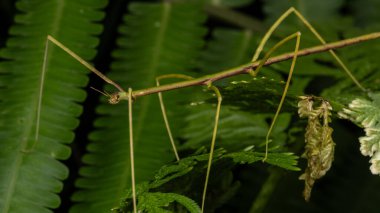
252	68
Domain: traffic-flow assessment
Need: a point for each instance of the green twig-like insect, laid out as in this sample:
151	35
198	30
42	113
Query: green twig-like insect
251	68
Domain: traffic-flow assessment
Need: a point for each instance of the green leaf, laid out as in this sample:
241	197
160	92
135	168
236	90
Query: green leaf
171	178
365	11
228	48
237	129
154	38
160	202
366	113
283	160
31	176
157	200
259	95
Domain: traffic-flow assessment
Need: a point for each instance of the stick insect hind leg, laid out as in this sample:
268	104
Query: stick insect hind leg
215	130
319	37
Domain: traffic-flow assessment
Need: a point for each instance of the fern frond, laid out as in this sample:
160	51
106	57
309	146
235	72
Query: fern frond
183	176
227	48
158	200
157	39
283	160
366	113
262	94
238	129
240	123
31	176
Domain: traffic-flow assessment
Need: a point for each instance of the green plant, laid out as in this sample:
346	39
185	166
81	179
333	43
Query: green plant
171	37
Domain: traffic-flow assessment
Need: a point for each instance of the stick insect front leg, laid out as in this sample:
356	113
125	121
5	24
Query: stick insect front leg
113	98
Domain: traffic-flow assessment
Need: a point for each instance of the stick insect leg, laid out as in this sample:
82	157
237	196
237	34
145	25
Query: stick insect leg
314	31
130	100
296	35
162	105
51	39
217	113
219	96
84	63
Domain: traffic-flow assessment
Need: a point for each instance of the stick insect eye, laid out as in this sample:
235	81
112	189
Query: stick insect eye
114	98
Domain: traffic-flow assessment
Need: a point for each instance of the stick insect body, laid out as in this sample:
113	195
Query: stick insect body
251	68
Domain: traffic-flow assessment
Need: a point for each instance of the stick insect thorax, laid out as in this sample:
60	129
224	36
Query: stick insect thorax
243	69
116	97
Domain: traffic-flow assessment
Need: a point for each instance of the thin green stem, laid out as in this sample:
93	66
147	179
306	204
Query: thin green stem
266	192
40	95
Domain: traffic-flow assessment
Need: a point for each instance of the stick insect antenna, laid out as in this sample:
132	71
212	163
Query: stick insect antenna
101	92
112	98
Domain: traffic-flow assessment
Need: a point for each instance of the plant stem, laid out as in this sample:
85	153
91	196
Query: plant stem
266	191
245	68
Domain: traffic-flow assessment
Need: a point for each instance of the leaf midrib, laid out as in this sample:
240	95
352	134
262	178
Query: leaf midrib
20	155
153	71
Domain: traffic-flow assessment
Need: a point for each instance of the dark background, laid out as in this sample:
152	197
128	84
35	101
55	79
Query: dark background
348	187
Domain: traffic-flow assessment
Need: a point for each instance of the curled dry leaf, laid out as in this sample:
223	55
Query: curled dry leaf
319	148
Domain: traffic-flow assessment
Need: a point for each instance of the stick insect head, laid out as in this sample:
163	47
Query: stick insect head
113	98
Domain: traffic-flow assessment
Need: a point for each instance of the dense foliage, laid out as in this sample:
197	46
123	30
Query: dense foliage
61	151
